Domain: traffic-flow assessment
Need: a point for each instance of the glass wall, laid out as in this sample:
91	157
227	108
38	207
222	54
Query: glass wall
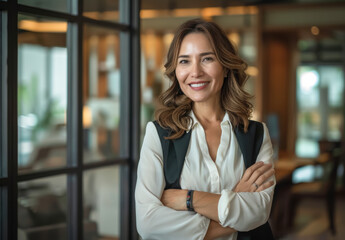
42	209
42	93
102	10
101	93
60	102
61	5
102	203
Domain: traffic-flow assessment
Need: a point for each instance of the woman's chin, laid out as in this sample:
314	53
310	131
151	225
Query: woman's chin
197	99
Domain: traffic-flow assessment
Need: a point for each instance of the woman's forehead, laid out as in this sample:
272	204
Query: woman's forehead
195	42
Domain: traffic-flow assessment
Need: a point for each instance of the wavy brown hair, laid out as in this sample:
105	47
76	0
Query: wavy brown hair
173	112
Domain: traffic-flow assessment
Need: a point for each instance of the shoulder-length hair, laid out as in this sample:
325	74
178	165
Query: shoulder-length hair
174	109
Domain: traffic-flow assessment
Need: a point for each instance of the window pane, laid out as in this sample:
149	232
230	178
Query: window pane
102	203
60	6
42	209
320	92
102	10
42	93
101	94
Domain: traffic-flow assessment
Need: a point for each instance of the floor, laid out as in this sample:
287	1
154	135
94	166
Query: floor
311	221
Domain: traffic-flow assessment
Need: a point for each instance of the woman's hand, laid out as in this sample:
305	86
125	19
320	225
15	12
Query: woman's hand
175	199
255	177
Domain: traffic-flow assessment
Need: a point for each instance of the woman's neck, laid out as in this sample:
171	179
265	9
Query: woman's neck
208	113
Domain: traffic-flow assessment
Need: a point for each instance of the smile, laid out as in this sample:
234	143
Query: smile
198	86
194	85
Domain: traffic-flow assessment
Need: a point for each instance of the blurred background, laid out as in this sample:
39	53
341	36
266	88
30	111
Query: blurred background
81	79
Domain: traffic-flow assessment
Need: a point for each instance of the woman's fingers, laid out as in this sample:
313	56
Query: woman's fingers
248	173
260	173
263	177
255	177
264	186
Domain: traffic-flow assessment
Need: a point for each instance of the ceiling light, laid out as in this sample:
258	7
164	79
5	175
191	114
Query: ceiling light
315	30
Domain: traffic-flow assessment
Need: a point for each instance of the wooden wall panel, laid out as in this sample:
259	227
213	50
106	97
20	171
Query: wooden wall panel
278	80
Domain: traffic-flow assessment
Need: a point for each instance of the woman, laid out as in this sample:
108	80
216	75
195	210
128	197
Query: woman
207	98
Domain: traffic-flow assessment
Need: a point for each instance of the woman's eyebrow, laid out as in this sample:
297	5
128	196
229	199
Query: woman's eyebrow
201	54
207	53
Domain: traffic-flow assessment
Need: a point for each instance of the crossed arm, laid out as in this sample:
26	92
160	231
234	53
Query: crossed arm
156	209
254	180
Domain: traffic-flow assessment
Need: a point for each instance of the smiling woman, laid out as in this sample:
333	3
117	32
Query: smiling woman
194	180
198	72
226	64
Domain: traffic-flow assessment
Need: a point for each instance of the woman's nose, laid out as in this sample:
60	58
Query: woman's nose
196	70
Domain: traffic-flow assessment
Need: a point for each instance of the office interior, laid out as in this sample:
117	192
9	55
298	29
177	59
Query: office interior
80	79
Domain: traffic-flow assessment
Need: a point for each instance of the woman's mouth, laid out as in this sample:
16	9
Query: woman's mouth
198	86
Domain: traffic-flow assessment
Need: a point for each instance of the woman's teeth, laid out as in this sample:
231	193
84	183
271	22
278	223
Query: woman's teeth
195	85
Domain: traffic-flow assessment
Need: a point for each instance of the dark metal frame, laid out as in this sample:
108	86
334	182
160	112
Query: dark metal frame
3	165
129	29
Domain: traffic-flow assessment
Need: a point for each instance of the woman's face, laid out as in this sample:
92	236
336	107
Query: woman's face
198	72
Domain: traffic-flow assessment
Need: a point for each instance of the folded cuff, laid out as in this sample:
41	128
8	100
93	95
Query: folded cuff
224	206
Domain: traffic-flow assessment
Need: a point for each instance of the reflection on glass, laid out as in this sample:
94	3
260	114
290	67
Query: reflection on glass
42	93
102	203
320	116
101	94
42	209
102	10
60	6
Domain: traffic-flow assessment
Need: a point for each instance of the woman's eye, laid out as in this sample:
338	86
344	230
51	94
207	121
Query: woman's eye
183	61
208	59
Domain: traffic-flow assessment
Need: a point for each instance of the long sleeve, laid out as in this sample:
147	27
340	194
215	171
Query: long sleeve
245	211
154	220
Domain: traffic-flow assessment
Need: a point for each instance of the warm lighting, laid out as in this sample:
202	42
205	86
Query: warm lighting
106	15
315	30
167	39
182	12
252	71
150	48
35	26
255	116
150	13
309	80
204	12
241	10
212	11
234	38
87	117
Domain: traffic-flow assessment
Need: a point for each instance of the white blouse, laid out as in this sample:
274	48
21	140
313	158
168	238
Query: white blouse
242	211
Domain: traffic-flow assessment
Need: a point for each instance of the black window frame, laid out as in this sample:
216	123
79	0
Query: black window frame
129	29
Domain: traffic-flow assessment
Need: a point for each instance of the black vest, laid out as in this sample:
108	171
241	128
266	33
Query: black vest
174	152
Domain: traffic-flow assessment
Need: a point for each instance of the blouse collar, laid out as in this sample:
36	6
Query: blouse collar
226	120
